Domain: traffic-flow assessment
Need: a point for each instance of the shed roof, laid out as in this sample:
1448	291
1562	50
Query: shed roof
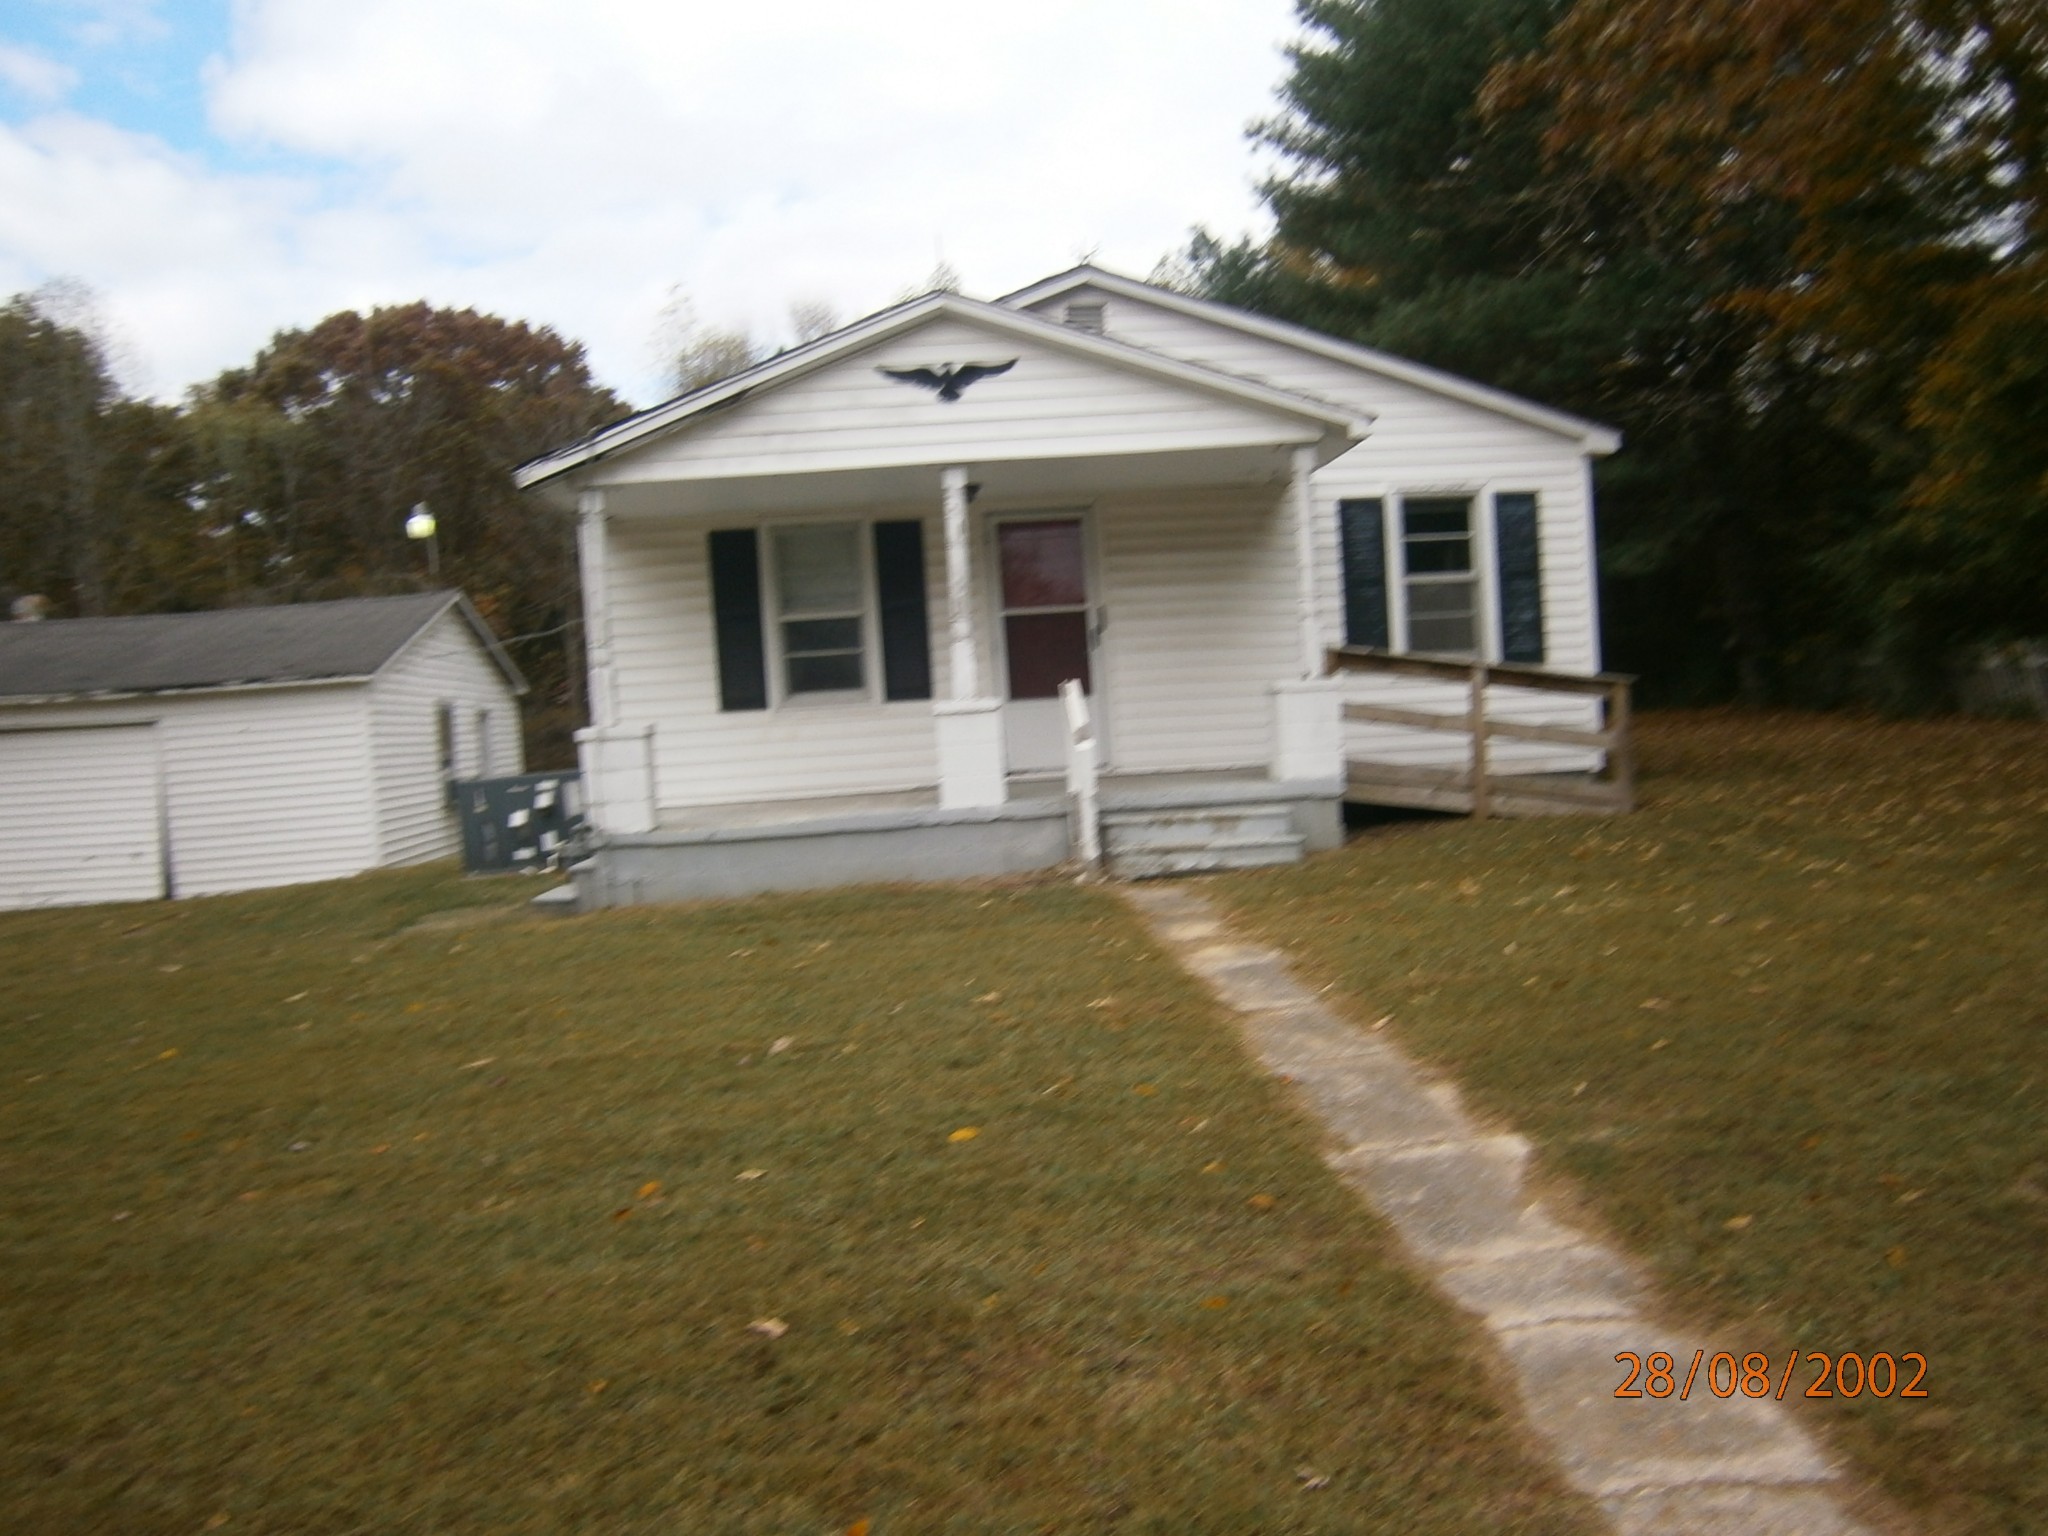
348	640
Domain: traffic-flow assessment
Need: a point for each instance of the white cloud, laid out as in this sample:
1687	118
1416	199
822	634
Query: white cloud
31	74
567	165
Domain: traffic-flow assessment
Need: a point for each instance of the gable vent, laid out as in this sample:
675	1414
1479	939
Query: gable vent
1086	315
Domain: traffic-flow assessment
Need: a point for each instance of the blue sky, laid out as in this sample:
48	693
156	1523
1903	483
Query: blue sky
217	171
137	65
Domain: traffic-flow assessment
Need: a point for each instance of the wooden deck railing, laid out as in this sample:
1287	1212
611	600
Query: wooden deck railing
1476	788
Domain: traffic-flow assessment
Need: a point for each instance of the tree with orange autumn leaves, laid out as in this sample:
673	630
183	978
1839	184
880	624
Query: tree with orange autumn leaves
1903	146
1792	247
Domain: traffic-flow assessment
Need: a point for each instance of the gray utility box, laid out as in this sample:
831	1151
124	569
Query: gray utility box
524	822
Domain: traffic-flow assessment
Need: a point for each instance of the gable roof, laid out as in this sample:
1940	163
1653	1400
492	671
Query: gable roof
1594	437
345	641
904	317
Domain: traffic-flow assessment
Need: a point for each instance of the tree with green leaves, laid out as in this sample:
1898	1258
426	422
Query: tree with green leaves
92	509
1901	146
315	453
1433	206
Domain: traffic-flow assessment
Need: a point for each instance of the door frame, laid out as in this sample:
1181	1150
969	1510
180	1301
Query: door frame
1097	614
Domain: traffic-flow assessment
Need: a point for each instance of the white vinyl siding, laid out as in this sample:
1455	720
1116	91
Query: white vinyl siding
1198	589
1053	404
665	673
261	787
1422	443
443	667
82	816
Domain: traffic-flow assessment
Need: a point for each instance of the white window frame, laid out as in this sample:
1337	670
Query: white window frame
1479	532
780	696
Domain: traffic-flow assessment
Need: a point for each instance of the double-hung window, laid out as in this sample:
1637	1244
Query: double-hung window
820	591
1440	578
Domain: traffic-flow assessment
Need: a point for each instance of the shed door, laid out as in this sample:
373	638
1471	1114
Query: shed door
1048	634
81	816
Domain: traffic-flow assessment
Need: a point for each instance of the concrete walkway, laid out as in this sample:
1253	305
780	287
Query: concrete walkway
1558	1304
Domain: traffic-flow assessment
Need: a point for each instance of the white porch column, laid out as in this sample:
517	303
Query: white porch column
617	761
1303	498
965	672
592	552
969	726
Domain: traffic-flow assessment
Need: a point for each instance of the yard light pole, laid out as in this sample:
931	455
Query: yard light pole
421	526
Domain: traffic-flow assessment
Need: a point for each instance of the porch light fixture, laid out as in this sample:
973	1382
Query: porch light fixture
420	527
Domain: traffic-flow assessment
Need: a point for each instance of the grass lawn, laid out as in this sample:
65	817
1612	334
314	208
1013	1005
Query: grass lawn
380	1207
1787	1027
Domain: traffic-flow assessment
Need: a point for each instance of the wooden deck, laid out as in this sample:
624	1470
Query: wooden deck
1477	787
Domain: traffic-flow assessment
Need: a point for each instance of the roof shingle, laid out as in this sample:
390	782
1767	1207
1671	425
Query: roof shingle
227	647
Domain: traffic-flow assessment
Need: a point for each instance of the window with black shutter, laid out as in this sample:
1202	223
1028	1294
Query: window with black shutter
1519	553
736	608
1362	546
900	592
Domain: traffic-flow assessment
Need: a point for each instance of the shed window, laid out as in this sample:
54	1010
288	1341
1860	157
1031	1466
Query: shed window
483	744
1439	577
820	589
444	739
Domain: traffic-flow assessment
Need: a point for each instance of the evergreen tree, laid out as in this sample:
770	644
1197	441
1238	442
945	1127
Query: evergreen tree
1426	215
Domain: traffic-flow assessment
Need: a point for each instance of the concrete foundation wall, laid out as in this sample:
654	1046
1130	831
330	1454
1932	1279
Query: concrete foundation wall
629	870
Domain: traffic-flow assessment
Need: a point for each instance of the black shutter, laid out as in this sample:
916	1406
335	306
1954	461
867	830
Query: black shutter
736	602
1521	576
906	637
1362	540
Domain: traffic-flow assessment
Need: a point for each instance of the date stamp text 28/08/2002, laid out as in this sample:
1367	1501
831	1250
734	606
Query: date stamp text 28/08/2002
1848	1375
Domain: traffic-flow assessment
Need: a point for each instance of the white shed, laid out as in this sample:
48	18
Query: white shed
191	754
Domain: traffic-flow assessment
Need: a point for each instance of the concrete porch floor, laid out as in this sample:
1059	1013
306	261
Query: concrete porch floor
1119	792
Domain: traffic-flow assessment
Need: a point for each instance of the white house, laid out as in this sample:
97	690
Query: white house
831	598
195	753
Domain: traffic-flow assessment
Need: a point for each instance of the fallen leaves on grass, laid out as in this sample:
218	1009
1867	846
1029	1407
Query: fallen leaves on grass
1263	1202
1737	1223
648	1190
748	1175
1145	1090
768	1327
1310	1479
1215	1303
965	1133
481	1061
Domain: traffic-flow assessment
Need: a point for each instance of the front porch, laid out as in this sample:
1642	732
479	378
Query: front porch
1151	823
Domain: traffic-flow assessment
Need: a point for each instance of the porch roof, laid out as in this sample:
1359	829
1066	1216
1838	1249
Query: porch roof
1291	417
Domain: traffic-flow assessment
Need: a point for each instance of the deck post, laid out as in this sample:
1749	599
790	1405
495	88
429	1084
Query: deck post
1621	756
1302	498
969	727
1476	722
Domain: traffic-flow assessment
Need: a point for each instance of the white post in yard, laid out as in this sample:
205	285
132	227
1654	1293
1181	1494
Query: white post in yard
1305	561
965	671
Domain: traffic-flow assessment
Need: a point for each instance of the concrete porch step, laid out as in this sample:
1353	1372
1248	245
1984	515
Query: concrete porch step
1154	859
1135	830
